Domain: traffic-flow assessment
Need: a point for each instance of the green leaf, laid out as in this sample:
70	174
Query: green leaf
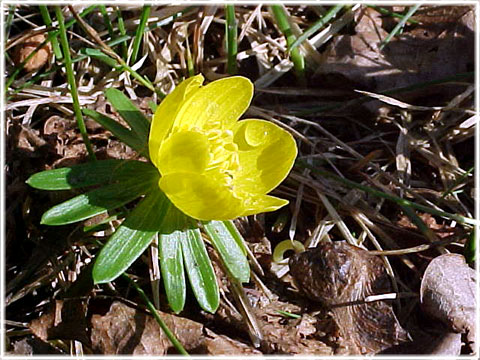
130	113
170	240
92	173
131	238
95	202
200	271
232	229
229	250
121	132
171	265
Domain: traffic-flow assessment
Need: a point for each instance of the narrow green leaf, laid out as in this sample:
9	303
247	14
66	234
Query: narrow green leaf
200	271
236	235
48	22
131	238
93	173
297	58
171	265
230	252
400	25
332	12
130	113
125	135
170	239
101	56
384	11
68	24
72	82
459	218
139	33
231	41
95	202
123	32
106	20
288	314
9	20
170	335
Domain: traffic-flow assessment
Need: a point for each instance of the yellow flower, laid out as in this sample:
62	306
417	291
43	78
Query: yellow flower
212	166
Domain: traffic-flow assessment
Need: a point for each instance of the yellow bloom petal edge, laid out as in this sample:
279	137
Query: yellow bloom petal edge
213	166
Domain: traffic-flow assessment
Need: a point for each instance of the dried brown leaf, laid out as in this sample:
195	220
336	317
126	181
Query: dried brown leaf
341	276
418	55
447	293
124	330
27	46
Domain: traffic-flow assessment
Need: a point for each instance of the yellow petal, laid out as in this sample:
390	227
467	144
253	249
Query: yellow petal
201	197
186	151
263	203
266	155
166	111
217	105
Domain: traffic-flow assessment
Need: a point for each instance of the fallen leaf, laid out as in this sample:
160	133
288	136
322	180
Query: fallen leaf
447	293
340	276
125	330
27	46
423	52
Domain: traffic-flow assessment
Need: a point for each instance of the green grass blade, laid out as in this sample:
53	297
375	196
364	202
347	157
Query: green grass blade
106	19
19	68
232	46
84	13
284	26
402	202
384	11
123	33
139	33
9	20
38	76
331	13
200	271
157	317
400	25
125	135
118	40
72	83
457	182
130	113
95	202
92	173
131	238
99	55
391	91
48	23
227	247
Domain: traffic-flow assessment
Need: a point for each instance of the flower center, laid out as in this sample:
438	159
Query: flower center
224	159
